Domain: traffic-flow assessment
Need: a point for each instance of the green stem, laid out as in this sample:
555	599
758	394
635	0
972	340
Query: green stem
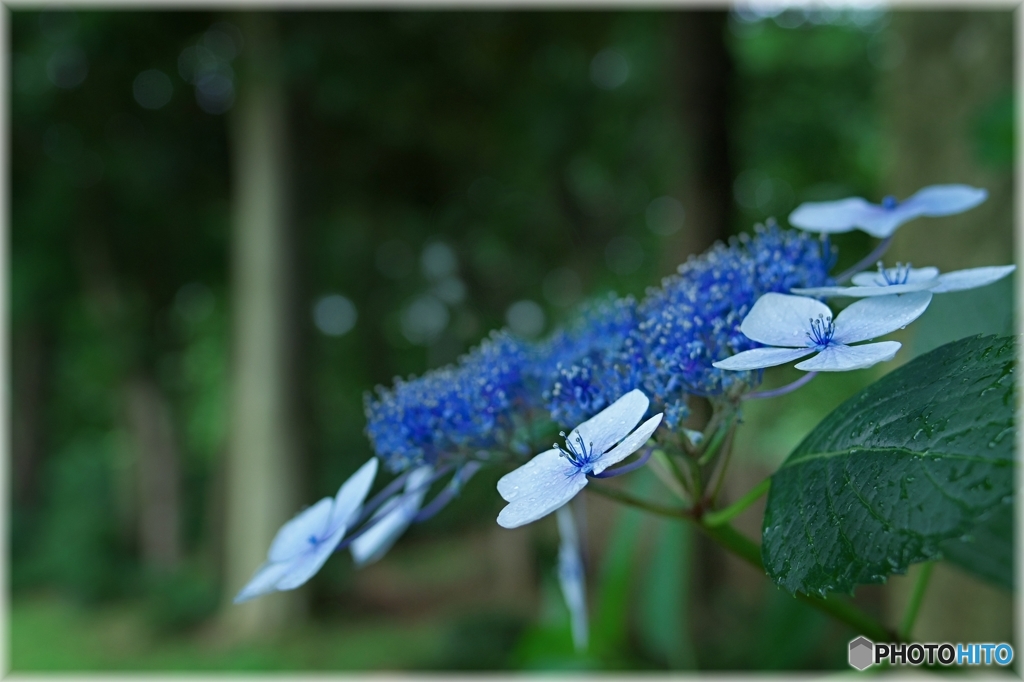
916	597
722	516
724	466
840	609
665	468
714	444
633	501
737	543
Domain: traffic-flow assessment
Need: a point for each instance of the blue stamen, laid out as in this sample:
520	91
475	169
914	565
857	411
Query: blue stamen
579	454
896	275
313	540
890	202
822	331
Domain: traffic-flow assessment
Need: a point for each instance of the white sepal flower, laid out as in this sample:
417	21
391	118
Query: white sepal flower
303	544
881	220
904	279
796	326
555	476
392	519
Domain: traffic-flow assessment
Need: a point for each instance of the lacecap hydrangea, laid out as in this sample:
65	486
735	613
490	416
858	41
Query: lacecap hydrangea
453	412
689	322
575	377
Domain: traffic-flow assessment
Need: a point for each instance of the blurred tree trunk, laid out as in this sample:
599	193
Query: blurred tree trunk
704	78
157	467
154	499
30	375
262	459
955	68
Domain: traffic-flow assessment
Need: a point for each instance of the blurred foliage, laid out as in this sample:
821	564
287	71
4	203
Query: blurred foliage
501	136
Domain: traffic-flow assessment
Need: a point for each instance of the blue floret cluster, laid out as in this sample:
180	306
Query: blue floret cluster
452	412
664	345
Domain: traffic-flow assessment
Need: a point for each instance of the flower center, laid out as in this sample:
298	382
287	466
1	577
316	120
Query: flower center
891	276
314	540
822	331
579	454
889	203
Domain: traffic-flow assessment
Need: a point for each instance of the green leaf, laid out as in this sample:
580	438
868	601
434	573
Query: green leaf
916	466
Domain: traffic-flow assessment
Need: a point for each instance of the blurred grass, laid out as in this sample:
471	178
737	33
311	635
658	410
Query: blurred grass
49	634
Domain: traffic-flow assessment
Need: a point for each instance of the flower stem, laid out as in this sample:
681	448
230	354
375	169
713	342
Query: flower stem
916	597
745	548
865	262
782	390
840	609
716	442
722	516
633	501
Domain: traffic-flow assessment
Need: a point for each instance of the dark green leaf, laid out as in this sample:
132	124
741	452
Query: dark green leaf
918	465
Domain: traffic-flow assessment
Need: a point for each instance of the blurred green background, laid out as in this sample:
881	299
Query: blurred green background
226	227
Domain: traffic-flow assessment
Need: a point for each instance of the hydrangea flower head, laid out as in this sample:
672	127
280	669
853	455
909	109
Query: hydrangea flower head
904	279
451	411
881	220
555	476
795	326
694	318
303	544
578	376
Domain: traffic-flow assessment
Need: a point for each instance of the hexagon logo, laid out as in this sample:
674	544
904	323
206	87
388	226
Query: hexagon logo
862	653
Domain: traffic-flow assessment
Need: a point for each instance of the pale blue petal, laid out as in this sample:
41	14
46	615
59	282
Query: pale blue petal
263	582
971	278
629	445
538	488
293	538
511	484
782	320
874	278
864	291
940	200
304	567
351	495
834	216
840	358
611	424
759	358
873	317
571	576
392	519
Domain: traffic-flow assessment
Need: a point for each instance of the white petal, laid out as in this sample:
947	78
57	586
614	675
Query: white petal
293	538
940	200
782	320
759	358
351	495
840	358
834	216
571	576
864	291
263	582
301	569
971	278
611	424
629	445
885	222
872	317
876	279
538	488
392	519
